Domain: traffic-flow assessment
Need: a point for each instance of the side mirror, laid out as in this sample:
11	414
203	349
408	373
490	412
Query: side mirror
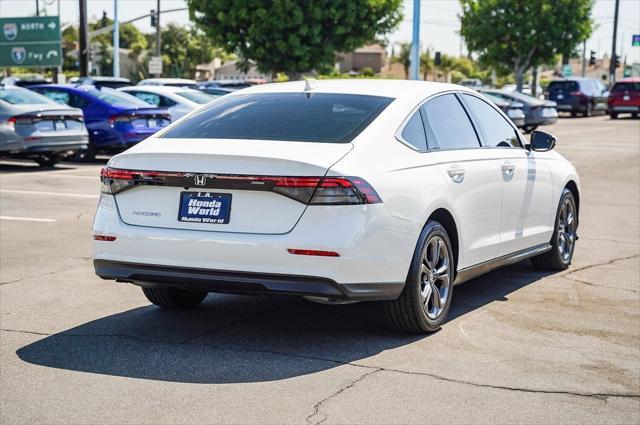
541	141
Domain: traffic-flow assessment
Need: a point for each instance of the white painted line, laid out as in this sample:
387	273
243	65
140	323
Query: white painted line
60	194
73	176
39	220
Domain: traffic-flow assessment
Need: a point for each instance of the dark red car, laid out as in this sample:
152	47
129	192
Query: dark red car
625	98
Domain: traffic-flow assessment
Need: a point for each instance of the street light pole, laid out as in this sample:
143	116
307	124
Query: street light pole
415	42
158	47
612	63
116	40
84	50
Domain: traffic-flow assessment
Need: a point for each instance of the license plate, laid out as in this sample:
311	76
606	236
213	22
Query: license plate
153	123
560	96
205	207
626	98
60	125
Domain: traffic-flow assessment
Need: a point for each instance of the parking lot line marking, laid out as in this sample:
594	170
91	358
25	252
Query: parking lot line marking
61	194
39	220
73	176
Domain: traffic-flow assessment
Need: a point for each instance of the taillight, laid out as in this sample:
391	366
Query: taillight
576	93
115	119
11	123
308	190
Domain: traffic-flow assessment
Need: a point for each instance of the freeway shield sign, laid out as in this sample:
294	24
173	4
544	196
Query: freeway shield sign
33	41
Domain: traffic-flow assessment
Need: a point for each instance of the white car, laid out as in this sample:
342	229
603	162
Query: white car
179	101
338	190
171	82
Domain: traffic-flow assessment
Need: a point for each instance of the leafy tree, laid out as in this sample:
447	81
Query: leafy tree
520	34
293	36
403	57
183	49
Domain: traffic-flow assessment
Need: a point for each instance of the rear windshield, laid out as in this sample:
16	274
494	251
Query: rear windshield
563	86
626	86
197	96
300	117
116	98
20	96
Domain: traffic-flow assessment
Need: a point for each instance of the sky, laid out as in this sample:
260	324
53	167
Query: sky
439	23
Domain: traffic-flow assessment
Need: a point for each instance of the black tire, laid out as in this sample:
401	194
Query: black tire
89	154
174	298
613	115
554	259
574	114
634	115
589	111
407	313
48	160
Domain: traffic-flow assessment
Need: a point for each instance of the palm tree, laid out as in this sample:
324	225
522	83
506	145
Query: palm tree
404	58
426	64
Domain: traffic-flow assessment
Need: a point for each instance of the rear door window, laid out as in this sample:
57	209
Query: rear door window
300	117
57	95
447	124
496	129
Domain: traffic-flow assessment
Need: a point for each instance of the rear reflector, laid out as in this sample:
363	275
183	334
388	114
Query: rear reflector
313	252
308	190
104	238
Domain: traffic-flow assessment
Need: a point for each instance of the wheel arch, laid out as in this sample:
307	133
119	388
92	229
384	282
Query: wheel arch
445	218
572	186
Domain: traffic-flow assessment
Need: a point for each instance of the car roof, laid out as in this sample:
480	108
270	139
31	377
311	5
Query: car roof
157	89
167	81
399	89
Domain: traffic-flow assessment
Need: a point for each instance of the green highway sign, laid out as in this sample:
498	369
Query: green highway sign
31	41
635	40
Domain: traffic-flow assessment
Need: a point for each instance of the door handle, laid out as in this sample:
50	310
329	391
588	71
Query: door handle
508	168
456	173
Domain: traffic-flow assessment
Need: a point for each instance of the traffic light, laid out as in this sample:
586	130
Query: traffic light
153	18
592	58
105	20
617	61
437	60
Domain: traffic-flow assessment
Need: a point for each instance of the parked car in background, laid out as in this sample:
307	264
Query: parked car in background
537	112
33	126
115	120
173	82
578	95
624	98
514	110
320	190
526	89
472	83
111	82
178	100
25	80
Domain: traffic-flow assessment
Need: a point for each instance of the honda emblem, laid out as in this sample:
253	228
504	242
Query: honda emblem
200	180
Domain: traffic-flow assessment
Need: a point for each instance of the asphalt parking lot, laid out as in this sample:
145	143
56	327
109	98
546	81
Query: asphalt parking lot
519	345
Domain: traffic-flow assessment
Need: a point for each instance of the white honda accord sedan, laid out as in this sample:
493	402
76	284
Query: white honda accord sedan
336	190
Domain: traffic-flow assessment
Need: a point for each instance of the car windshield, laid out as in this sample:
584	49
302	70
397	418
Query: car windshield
300	117
116	98
619	87
19	96
495	99
556	86
197	96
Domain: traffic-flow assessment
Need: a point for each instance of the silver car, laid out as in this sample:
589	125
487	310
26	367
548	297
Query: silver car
33	126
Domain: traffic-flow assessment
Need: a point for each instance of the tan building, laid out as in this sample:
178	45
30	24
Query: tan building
373	56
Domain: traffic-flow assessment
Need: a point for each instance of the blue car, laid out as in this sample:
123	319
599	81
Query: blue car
115	120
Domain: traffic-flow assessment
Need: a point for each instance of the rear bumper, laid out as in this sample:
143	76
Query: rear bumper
375	251
624	108
243	282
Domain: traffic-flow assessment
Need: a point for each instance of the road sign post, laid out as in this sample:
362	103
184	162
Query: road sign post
30	42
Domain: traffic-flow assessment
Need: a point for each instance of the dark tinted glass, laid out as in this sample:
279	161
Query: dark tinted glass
556	86
497	131
300	117
413	132
620	87
447	124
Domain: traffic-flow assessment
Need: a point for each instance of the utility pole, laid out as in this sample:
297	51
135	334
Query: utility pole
415	42
37	7
116	40
84	38
158	41
612	63
584	57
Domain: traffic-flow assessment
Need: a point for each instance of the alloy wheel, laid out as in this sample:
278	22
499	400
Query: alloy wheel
566	229
435	278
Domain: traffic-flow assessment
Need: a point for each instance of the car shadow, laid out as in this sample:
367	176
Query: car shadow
237	339
30	166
